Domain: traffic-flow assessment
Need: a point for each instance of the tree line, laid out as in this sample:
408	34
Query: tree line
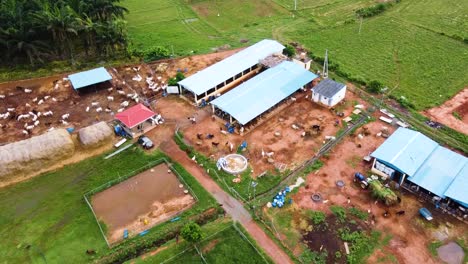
35	31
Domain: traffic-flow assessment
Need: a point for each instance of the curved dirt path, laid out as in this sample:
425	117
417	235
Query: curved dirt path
232	206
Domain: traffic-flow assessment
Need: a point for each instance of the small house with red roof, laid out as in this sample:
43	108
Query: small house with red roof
137	119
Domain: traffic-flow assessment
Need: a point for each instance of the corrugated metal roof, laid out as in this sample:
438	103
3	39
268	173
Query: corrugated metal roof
217	73
406	150
458	190
262	92
86	78
439	170
427	164
135	115
328	88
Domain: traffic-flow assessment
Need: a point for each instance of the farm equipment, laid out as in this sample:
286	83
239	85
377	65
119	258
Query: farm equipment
425	213
361	179
378	190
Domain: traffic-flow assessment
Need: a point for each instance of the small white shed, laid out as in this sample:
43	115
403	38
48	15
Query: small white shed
328	92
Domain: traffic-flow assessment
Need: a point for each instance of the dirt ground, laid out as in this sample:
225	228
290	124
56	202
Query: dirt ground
287	150
56	94
410	237
141	202
445	113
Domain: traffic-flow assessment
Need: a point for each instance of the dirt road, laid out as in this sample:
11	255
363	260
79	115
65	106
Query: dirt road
233	207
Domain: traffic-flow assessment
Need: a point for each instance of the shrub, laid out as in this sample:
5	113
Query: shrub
156	53
339	212
317	217
308	256
289	50
375	9
192	232
358	213
180	76
374	86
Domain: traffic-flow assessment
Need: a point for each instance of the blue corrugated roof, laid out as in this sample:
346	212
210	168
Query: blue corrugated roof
86	78
427	164
217	73
406	150
437	173
458	190
262	92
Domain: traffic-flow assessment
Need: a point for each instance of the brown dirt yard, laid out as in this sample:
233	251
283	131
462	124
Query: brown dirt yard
55	94
410	234
457	106
141	202
290	148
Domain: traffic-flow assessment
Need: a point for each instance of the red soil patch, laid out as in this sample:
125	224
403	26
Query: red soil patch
445	113
290	148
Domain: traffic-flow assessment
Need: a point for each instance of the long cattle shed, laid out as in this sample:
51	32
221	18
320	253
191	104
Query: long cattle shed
219	76
418	162
262	92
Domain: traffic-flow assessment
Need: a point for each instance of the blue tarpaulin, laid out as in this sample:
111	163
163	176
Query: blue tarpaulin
87	78
262	92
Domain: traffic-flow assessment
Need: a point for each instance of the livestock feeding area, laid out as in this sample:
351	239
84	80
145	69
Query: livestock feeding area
298	199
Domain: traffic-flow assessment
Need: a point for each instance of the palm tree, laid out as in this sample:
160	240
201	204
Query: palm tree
23	42
106	10
62	22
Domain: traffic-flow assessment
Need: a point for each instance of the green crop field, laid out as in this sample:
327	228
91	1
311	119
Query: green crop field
415	48
49	213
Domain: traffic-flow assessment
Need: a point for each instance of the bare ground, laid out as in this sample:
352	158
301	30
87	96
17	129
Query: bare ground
140	202
445	114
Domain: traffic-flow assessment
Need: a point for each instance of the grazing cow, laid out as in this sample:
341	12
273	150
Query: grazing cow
209	136
400	213
199	136
215	144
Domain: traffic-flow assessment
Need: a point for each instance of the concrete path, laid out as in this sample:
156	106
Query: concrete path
232	206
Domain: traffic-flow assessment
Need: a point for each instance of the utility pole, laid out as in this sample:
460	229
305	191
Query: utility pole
325	66
295	5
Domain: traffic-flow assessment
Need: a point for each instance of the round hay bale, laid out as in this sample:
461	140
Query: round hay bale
95	135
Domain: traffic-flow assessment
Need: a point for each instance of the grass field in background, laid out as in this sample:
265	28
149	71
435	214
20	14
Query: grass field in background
402	47
49	213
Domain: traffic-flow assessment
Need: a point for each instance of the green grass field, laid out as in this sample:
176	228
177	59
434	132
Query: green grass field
49	213
413	48
223	244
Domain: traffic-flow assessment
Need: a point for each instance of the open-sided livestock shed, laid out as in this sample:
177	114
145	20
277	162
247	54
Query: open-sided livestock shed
84	79
262	92
213	79
413	159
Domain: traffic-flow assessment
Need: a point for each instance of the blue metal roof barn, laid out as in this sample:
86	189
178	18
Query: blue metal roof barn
406	150
427	164
219	72
90	77
263	91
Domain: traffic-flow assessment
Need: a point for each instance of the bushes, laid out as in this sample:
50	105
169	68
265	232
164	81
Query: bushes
179	77
317	217
374	86
339	212
375	9
289	51
150	54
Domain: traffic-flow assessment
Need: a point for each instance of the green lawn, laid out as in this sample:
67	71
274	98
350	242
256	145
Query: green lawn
49	213
223	244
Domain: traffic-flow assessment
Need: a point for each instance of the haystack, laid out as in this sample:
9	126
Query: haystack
95	135
20	158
